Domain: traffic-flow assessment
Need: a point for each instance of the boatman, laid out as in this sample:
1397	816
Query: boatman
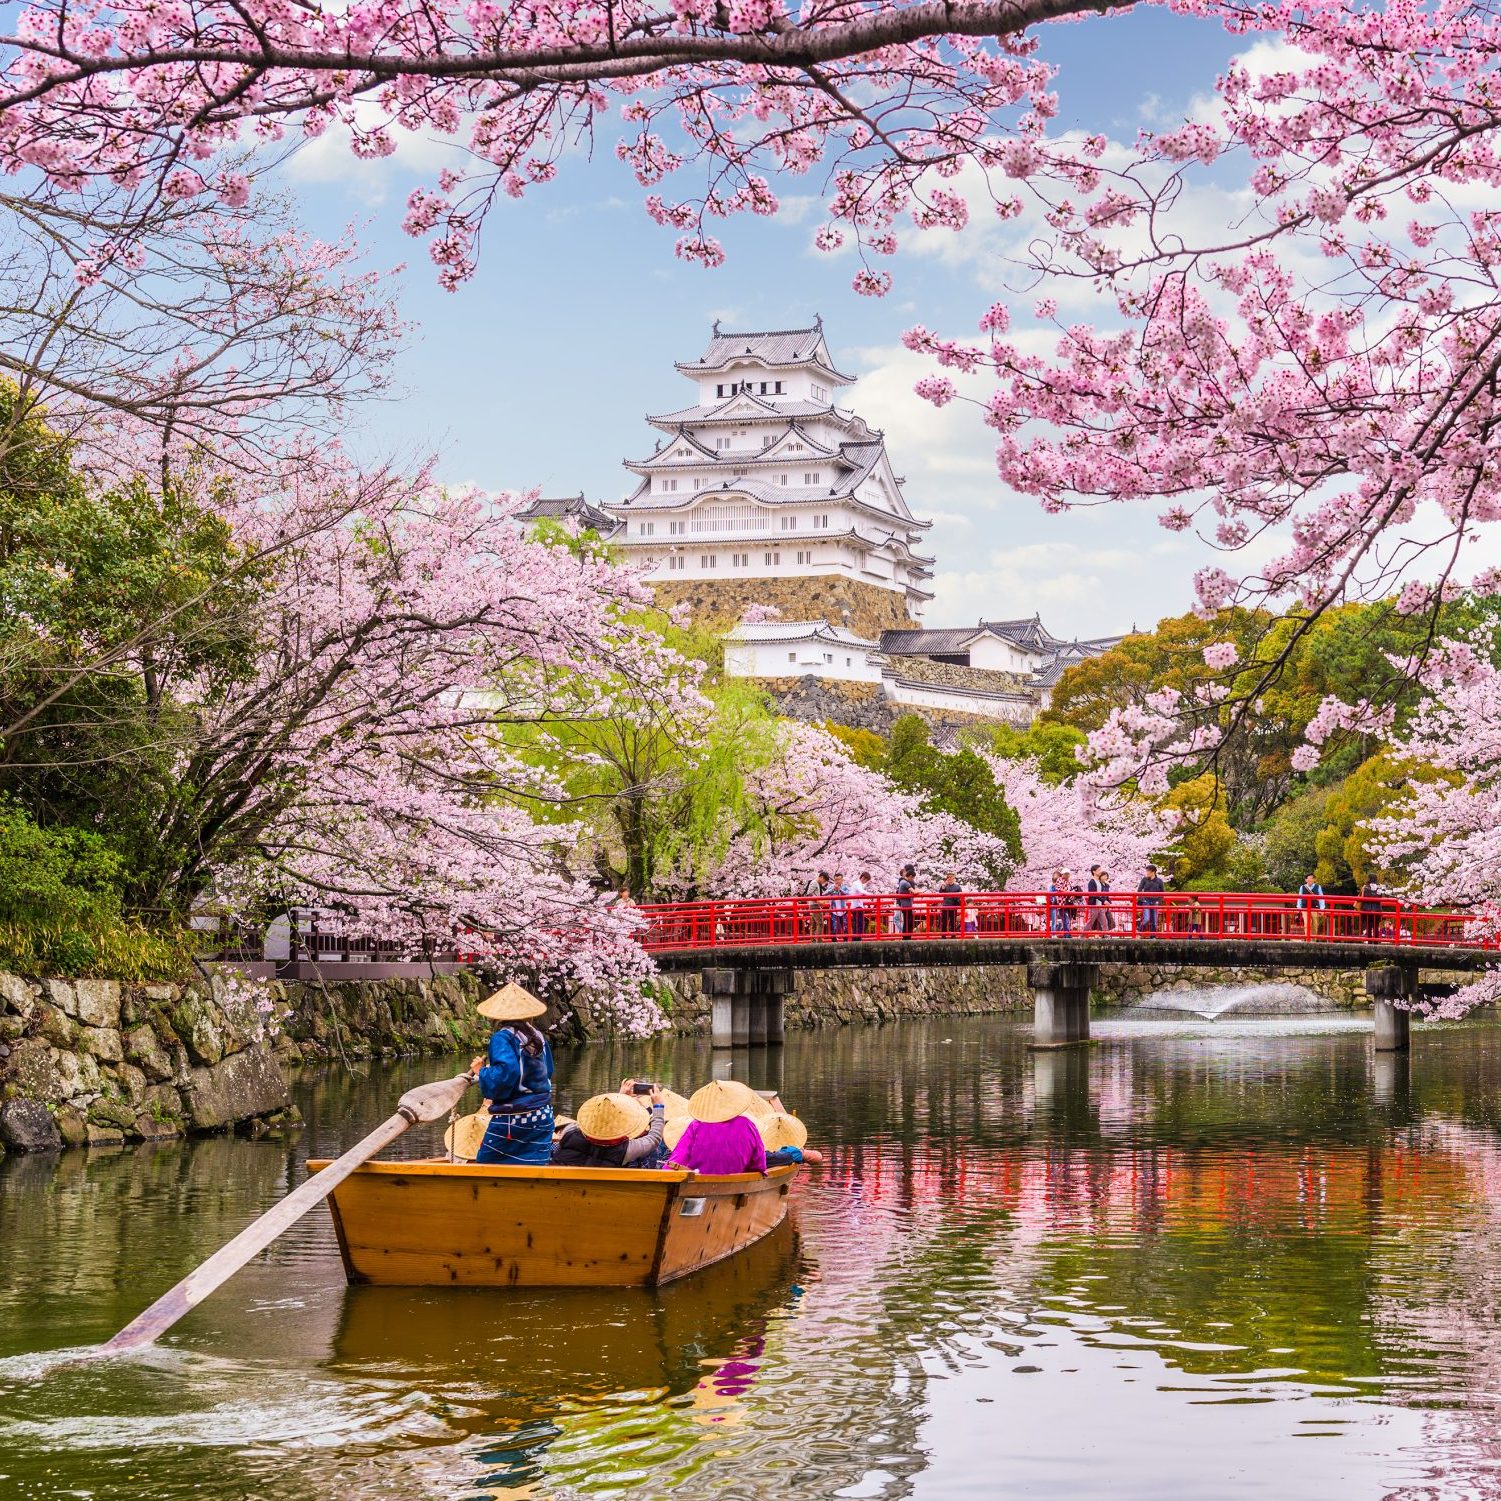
516	1079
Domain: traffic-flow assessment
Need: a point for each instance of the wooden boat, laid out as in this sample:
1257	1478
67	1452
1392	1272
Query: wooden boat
441	1224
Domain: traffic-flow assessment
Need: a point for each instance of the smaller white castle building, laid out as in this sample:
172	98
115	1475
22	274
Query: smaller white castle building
999	669
801	648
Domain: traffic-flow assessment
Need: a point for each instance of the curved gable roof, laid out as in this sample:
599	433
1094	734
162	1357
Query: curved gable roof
777	346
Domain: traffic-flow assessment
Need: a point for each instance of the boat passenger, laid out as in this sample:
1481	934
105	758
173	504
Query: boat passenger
721	1136
785	1138
515	1077
613	1130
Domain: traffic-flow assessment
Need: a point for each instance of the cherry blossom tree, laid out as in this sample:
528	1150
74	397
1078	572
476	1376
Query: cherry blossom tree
145	327
816	809
1069	826
1302	368
1443	842
356	747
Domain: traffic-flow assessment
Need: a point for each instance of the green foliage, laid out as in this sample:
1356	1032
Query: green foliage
958	782
1288	666
1203	841
865	747
60	907
57	878
108	596
1052	745
1292	841
662	785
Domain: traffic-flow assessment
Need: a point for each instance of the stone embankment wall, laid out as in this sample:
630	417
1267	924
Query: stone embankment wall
838	997
1125	984
97	1062
867	609
860	706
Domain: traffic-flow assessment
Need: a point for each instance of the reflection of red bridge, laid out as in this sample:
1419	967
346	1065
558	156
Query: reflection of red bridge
750	950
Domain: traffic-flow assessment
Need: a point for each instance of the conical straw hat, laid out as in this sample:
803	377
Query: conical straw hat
463	1137
672	1132
721	1100
783	1131
760	1108
511	1003
610	1117
676	1104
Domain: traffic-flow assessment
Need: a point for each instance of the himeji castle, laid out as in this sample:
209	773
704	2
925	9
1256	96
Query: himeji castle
764	476
764	491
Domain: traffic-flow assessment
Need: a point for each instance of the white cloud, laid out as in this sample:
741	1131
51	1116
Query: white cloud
1090	572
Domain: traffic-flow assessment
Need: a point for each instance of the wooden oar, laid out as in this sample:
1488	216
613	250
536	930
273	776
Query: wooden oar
428	1102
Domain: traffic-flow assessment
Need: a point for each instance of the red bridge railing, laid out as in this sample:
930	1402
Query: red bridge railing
934	917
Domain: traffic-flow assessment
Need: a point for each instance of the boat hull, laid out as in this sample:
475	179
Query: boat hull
441	1224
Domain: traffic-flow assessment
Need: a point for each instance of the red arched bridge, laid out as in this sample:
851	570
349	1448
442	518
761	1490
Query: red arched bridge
750	950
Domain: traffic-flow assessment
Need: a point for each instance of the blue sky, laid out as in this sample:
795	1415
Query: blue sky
540	371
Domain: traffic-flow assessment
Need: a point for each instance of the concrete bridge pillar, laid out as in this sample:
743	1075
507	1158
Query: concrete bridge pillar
748	1006
1388	985
1061	1003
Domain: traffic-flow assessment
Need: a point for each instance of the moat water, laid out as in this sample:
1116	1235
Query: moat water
1198	1260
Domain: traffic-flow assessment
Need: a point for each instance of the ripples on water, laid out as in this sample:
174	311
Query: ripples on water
1158	1267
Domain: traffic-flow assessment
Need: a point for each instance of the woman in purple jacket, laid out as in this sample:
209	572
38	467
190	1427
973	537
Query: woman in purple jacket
721	1136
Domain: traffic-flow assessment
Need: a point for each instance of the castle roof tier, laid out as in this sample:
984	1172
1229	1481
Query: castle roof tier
1025	647
778	348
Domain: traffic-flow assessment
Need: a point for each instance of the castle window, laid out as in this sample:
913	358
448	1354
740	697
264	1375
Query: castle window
828	657
773	557
819	393
647	528
707	560
792	656
822	521
721	443
763	388
674	564
781	479
779	388
668	484
789	523
815	478
676	528
807	557
742	560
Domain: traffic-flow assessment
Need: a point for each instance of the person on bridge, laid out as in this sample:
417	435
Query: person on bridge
905	886
952	901
1098	899
1061	903
859	888
1370	909
1149	902
819	917
839	907
515	1077
1311	904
